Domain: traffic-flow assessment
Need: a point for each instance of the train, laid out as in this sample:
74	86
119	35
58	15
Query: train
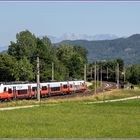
26	90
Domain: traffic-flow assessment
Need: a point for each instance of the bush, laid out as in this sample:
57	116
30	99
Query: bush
91	87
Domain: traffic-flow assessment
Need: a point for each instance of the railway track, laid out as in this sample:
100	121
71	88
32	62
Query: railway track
107	86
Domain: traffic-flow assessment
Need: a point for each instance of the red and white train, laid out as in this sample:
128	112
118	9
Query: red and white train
29	90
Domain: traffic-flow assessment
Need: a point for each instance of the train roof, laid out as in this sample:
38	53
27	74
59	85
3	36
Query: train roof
12	84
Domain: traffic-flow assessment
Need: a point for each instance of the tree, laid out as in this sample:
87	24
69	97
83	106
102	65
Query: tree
133	74
23	70
24	46
29	46
47	55
64	53
7	65
111	65
73	58
82	51
68	60
76	66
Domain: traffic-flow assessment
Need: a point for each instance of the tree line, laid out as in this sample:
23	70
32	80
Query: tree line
19	64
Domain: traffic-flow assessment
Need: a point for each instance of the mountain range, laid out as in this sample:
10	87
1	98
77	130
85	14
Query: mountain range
126	48
3	48
72	36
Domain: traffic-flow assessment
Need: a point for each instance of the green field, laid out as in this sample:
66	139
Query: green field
73	119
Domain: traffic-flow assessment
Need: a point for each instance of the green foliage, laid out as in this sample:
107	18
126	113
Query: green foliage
91	87
111	65
133	74
7	65
24	46
68	60
73	58
75	66
126	48
23	70
82	51
64	53
68	57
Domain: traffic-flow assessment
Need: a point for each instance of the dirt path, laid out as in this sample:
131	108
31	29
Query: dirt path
116	100
30	106
17	107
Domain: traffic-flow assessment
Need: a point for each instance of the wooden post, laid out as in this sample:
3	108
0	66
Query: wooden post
52	71
95	77
38	80
117	74
85	73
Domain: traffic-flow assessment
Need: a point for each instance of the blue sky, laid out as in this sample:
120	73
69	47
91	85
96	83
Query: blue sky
57	18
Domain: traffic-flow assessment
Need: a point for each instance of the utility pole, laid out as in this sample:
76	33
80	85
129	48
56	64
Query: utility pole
38	80
95	77
52	71
117	74
85	73
101	77
97	69
91	72
107	73
124	73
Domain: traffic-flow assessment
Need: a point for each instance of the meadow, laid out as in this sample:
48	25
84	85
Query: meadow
73	119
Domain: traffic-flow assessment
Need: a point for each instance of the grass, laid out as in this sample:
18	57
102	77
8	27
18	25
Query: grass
73	119
116	94
109	95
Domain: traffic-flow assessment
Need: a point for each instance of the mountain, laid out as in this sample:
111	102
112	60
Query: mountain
72	36
105	37
3	48
126	48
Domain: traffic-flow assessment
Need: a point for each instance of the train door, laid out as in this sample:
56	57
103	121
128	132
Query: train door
74	87
14	91
29	91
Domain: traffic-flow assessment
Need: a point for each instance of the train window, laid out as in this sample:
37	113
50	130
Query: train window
77	86
34	88
4	89
44	87
65	86
23	91
9	90
55	88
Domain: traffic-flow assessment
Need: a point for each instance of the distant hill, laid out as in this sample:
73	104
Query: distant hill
4	52
126	48
72	36
3	48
